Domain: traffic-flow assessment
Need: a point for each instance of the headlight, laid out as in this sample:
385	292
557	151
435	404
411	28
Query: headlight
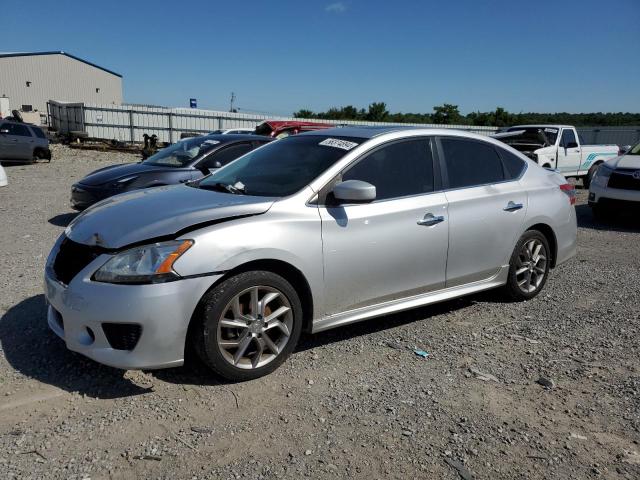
147	264
601	176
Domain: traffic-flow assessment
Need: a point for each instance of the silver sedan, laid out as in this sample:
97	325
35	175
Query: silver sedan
308	233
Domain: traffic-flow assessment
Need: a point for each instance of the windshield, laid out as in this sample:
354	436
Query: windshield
545	135
182	153
634	150
281	168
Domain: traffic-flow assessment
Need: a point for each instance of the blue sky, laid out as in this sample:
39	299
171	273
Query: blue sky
280	56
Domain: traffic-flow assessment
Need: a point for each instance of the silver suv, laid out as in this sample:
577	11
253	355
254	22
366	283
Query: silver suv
19	141
308	233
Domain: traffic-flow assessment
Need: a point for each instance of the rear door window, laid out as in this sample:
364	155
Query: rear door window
19	130
471	163
397	170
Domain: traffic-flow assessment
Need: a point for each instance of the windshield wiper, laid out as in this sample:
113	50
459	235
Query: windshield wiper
224	187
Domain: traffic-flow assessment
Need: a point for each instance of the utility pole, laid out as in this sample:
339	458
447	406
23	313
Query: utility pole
233	99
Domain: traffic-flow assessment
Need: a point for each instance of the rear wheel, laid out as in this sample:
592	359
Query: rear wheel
529	266
249	325
39	154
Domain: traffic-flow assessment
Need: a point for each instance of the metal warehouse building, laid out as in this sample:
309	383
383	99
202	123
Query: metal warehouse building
29	80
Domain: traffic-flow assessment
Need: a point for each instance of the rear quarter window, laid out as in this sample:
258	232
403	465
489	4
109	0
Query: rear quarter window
513	164
38	132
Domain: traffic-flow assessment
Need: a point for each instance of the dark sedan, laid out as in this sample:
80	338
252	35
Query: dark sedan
184	161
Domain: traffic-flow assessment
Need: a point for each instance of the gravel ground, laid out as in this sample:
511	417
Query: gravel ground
351	402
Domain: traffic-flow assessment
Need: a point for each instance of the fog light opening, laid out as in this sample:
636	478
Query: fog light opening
87	337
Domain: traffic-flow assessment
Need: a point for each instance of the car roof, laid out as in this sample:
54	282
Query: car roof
235	137
365	131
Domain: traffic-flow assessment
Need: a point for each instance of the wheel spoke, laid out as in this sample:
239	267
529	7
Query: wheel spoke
244	344
521	270
280	325
270	343
528	282
269	297
539	270
233	343
236	308
277	313
229	323
258	355
536	252
255	304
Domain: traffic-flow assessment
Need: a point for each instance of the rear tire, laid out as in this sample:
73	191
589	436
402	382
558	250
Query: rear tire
39	154
248	325
528	267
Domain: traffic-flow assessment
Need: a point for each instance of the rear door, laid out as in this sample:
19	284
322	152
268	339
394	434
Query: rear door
385	250
569	156
487	207
23	141
7	146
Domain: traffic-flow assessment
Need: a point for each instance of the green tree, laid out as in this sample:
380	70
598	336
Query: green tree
447	114
377	112
304	114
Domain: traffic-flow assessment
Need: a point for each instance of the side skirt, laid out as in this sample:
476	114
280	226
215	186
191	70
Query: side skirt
408	303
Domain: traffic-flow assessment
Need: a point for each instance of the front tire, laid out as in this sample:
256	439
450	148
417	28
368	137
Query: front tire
586	181
248	325
529	266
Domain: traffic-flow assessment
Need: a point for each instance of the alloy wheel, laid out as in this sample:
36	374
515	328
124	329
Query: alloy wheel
532	266
255	326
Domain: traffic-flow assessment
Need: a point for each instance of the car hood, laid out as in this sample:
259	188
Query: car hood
115	172
158	212
625	161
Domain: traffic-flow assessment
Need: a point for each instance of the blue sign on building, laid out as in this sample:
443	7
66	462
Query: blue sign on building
193	103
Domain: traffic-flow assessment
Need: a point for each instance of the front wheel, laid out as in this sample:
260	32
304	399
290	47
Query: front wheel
529	266
248	325
586	181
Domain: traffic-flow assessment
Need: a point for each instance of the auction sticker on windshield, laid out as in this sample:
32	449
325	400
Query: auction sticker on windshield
551	130
337	143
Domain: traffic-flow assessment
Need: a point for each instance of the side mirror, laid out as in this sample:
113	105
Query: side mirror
571	145
354	191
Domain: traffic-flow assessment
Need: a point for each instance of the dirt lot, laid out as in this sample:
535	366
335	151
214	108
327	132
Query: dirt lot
352	402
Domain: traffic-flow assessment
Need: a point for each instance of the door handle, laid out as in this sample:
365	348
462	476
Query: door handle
512	207
430	219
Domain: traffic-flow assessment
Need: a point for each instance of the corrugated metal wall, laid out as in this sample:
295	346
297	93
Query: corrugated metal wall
130	123
614	135
57	77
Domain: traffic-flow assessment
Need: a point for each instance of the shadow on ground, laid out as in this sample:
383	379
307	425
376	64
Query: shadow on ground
628	222
36	352
63	219
33	350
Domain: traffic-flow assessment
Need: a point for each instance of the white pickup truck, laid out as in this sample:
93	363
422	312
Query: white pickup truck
558	147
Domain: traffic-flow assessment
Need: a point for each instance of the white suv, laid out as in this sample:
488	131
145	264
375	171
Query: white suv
616	184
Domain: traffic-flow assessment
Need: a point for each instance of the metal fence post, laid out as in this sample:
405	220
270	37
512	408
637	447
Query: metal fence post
170	127
131	134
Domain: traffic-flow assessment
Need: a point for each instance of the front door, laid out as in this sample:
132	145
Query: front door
569	157
395	246
487	206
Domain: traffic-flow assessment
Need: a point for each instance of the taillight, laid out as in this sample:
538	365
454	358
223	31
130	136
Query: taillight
570	191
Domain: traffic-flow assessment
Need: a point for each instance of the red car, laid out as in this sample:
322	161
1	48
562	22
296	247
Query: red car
280	129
